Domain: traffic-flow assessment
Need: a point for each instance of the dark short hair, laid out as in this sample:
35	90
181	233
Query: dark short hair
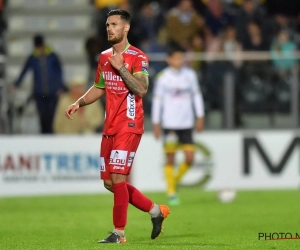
38	41
122	13
175	49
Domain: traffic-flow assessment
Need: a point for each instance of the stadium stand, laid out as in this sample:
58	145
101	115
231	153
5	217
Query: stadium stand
65	25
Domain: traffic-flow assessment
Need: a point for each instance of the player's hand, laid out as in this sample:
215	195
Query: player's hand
156	130
199	124
117	61
71	110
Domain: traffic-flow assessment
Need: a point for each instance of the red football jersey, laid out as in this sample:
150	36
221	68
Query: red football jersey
124	110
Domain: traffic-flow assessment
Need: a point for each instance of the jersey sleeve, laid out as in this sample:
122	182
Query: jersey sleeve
157	100
141	64
197	96
99	79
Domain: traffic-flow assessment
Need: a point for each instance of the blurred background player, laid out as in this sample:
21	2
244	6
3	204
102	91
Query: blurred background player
176	97
122	75
87	120
47	81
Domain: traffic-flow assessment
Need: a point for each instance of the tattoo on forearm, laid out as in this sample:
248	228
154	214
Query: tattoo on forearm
81	102
138	85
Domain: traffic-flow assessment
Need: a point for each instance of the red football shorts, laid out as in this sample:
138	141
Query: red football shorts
117	153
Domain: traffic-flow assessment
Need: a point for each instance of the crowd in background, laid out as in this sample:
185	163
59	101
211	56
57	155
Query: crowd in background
211	26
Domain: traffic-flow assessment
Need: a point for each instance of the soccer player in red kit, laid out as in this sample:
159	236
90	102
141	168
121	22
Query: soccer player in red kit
123	76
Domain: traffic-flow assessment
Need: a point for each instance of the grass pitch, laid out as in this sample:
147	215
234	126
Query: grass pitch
201	222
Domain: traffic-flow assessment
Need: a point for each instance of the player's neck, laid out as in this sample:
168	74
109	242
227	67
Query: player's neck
120	47
175	69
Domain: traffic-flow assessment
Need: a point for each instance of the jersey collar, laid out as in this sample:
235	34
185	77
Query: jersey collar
126	47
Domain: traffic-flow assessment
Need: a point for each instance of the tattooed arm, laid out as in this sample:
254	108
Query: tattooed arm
89	97
137	84
92	95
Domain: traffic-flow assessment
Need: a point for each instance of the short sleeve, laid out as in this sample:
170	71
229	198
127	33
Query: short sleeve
141	64
99	79
158	90
194	82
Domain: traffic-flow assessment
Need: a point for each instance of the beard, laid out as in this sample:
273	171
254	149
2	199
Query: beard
115	40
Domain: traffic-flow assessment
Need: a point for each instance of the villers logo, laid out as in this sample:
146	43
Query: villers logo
118	157
109	76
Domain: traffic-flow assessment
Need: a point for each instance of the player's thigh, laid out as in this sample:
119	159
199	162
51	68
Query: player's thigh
123	151
105	151
187	144
170	140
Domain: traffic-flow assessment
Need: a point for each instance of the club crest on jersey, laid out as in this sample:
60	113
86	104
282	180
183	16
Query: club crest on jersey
145	64
131	52
131	106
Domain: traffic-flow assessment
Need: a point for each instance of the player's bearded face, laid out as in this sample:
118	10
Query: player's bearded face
115	29
114	38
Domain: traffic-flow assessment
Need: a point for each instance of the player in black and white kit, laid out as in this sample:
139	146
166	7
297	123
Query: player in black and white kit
177	100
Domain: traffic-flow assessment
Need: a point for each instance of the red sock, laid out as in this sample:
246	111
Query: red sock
121	200
137	199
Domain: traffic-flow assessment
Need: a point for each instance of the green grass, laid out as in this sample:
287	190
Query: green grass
201	222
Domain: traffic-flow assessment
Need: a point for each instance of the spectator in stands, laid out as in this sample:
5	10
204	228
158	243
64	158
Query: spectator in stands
47	81
255	74
218	71
283	22
150	20
197	46
256	40
283	50
248	12
93	49
216	18
199	5
231	46
87	120
182	23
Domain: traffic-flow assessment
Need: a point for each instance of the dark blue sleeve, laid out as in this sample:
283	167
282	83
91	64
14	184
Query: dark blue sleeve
59	71
26	67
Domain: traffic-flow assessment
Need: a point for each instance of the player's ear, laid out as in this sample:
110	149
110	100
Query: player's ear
127	27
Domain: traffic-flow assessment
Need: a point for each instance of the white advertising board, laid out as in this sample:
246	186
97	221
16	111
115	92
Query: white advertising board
261	160
49	165
34	165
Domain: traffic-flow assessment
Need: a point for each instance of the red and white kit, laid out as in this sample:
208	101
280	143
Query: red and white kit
124	114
